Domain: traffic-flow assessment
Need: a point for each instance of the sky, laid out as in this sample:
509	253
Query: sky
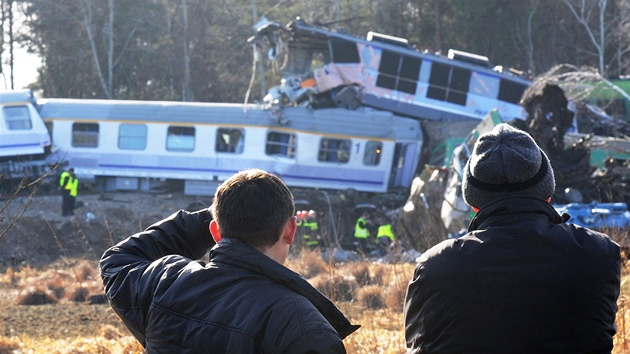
24	69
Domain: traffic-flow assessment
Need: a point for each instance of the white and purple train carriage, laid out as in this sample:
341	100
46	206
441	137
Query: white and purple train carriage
139	145
24	139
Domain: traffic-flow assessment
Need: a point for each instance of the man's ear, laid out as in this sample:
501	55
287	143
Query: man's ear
214	230
289	230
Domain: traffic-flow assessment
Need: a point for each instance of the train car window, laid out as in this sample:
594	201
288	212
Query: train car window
344	51
398	72
448	83
306	58
180	139
85	135
230	140
17	118
280	144
334	150
372	155
458	87
438	81
132	137
511	91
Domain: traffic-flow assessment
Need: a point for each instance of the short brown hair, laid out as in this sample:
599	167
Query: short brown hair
253	206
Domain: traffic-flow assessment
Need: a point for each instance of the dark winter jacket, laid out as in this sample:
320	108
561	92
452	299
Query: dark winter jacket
521	281
240	302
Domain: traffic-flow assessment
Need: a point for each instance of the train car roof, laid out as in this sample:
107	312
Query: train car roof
332	121
305	33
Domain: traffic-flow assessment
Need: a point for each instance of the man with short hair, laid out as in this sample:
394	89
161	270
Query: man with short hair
244	300
522	280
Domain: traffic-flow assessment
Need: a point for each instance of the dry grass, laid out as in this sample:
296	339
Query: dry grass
106	340
369	294
76	282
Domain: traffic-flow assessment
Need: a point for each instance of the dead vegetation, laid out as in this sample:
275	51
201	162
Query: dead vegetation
55	308
370	294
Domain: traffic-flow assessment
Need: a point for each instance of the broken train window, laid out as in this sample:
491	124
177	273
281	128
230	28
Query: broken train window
398	72
306	57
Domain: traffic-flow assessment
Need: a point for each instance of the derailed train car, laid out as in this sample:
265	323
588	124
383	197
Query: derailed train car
140	145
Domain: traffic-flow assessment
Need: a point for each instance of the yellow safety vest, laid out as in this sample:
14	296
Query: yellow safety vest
71	184
312	226
385	231
360	232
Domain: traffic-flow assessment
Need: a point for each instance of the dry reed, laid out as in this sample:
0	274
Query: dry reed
369	294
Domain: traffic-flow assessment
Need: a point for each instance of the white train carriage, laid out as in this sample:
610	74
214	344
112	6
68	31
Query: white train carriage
133	144
22	132
24	139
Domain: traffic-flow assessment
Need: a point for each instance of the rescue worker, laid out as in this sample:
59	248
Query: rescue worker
384	237
69	187
311	239
362	232
307	227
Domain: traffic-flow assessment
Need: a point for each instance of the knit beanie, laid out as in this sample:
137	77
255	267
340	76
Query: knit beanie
506	161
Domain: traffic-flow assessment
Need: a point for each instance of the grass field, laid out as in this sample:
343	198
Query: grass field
370	294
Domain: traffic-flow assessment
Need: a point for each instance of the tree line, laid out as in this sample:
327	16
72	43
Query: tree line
197	50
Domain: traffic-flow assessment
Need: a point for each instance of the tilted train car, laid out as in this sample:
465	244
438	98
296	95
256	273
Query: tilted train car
138	145
387	73
449	94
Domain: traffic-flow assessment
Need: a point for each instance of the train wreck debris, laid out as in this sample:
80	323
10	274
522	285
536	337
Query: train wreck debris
588	149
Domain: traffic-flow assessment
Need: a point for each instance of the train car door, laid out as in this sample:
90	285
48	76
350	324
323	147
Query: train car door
404	165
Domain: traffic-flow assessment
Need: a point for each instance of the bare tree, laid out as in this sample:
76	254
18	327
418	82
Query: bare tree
106	83
584	12
31	188
7	18
524	41
186	93
622	37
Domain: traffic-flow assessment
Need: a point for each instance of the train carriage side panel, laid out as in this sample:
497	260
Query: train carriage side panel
206	143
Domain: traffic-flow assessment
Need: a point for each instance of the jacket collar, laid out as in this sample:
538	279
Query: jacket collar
506	206
240	254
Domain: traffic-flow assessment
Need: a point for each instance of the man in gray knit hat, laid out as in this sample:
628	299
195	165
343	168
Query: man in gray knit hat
522	280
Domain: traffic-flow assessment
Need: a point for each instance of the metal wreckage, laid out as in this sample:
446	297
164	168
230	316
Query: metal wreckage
455	98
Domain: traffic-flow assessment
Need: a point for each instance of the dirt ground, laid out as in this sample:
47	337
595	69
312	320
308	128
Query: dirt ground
41	239
42	236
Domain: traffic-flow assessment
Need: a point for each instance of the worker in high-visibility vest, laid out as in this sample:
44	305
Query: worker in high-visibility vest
384	237
69	187
362	232
311	238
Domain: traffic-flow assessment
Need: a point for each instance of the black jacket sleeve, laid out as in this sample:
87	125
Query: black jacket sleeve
131	269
